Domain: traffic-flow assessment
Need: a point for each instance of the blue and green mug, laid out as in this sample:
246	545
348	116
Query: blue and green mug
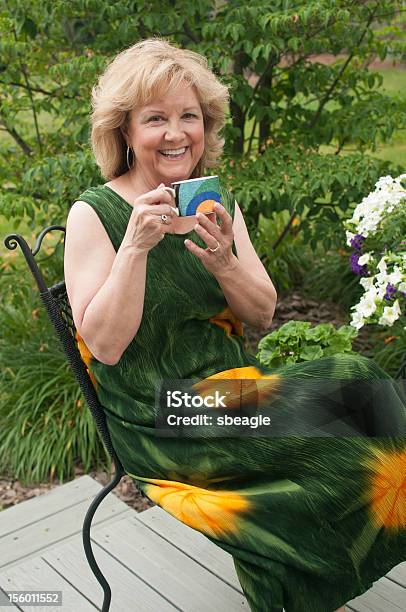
196	195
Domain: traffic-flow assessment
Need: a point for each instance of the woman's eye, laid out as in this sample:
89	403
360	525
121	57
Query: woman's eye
190	114
155	118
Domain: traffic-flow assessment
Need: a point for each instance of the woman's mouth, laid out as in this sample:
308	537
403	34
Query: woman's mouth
174	153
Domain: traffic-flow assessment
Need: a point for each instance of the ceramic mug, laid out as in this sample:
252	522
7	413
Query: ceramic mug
196	195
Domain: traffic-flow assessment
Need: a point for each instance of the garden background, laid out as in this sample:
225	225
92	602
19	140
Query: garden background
317	115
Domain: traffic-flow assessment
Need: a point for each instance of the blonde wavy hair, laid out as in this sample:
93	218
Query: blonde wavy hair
134	78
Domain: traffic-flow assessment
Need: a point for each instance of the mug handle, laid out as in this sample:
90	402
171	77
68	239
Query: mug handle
172	192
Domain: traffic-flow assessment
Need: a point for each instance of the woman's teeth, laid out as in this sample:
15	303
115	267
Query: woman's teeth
174	152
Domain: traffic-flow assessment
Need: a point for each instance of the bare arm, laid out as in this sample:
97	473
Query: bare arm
247	287
106	290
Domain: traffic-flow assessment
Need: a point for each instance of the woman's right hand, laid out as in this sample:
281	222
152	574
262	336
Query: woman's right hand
146	228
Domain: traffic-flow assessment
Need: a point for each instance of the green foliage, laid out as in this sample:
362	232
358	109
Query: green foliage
318	189
330	278
297	341
46	427
51	53
389	351
289	261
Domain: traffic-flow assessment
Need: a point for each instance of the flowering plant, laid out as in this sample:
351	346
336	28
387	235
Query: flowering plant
377	232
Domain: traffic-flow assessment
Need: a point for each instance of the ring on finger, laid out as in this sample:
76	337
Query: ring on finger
215	249
164	219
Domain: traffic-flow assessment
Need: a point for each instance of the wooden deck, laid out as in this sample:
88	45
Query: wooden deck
152	561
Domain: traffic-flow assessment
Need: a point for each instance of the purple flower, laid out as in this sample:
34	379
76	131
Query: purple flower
356	241
390	292
355	267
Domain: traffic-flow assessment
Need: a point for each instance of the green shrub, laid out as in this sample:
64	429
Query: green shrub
297	341
45	425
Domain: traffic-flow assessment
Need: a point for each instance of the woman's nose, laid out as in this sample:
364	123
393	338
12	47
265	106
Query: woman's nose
173	131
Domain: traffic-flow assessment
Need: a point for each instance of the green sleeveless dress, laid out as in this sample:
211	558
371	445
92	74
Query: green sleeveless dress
311	522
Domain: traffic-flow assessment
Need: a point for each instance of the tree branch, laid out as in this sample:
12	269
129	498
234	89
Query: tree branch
284	232
36	89
327	97
28	86
238	114
252	136
14	134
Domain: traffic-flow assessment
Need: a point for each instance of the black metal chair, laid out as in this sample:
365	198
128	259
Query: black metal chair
57	305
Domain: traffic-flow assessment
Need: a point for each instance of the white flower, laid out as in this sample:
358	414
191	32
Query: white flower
368	219
367	304
381	291
382	279
400	178
364	259
395	277
384	181
357	320
349	236
390	314
367	282
382	265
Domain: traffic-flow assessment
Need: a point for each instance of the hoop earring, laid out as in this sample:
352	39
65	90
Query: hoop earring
128	157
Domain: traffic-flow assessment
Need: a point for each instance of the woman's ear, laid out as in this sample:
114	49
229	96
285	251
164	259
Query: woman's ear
124	134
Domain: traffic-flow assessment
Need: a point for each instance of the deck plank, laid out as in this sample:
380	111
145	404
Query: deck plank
152	560
181	580
51	523
37	575
191	542
398	574
69	560
384	596
56	500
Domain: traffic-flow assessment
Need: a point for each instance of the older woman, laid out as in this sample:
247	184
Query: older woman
311	521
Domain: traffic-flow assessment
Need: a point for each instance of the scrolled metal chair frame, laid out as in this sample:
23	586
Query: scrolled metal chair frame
56	302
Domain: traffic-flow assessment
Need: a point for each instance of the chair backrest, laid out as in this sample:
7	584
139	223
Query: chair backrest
56	302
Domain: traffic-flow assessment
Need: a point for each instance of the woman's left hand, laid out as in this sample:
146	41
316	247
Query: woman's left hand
220	239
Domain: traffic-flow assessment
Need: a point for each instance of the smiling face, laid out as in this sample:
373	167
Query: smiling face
167	137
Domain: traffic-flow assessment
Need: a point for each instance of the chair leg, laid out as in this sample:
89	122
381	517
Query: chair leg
86	538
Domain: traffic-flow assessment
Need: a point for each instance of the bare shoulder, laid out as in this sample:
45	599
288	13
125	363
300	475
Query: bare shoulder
88	258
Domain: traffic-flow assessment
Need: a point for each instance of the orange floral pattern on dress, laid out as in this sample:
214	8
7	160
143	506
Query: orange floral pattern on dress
213	512
245	391
387	493
228	321
86	356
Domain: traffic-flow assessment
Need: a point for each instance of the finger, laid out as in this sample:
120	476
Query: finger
210	240
225	218
158	219
193	248
210	226
158	196
164	226
162	209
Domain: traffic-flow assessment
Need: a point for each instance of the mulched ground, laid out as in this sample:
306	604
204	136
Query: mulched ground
290	307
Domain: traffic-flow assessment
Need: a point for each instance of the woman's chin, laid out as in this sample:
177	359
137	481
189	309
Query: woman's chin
176	174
